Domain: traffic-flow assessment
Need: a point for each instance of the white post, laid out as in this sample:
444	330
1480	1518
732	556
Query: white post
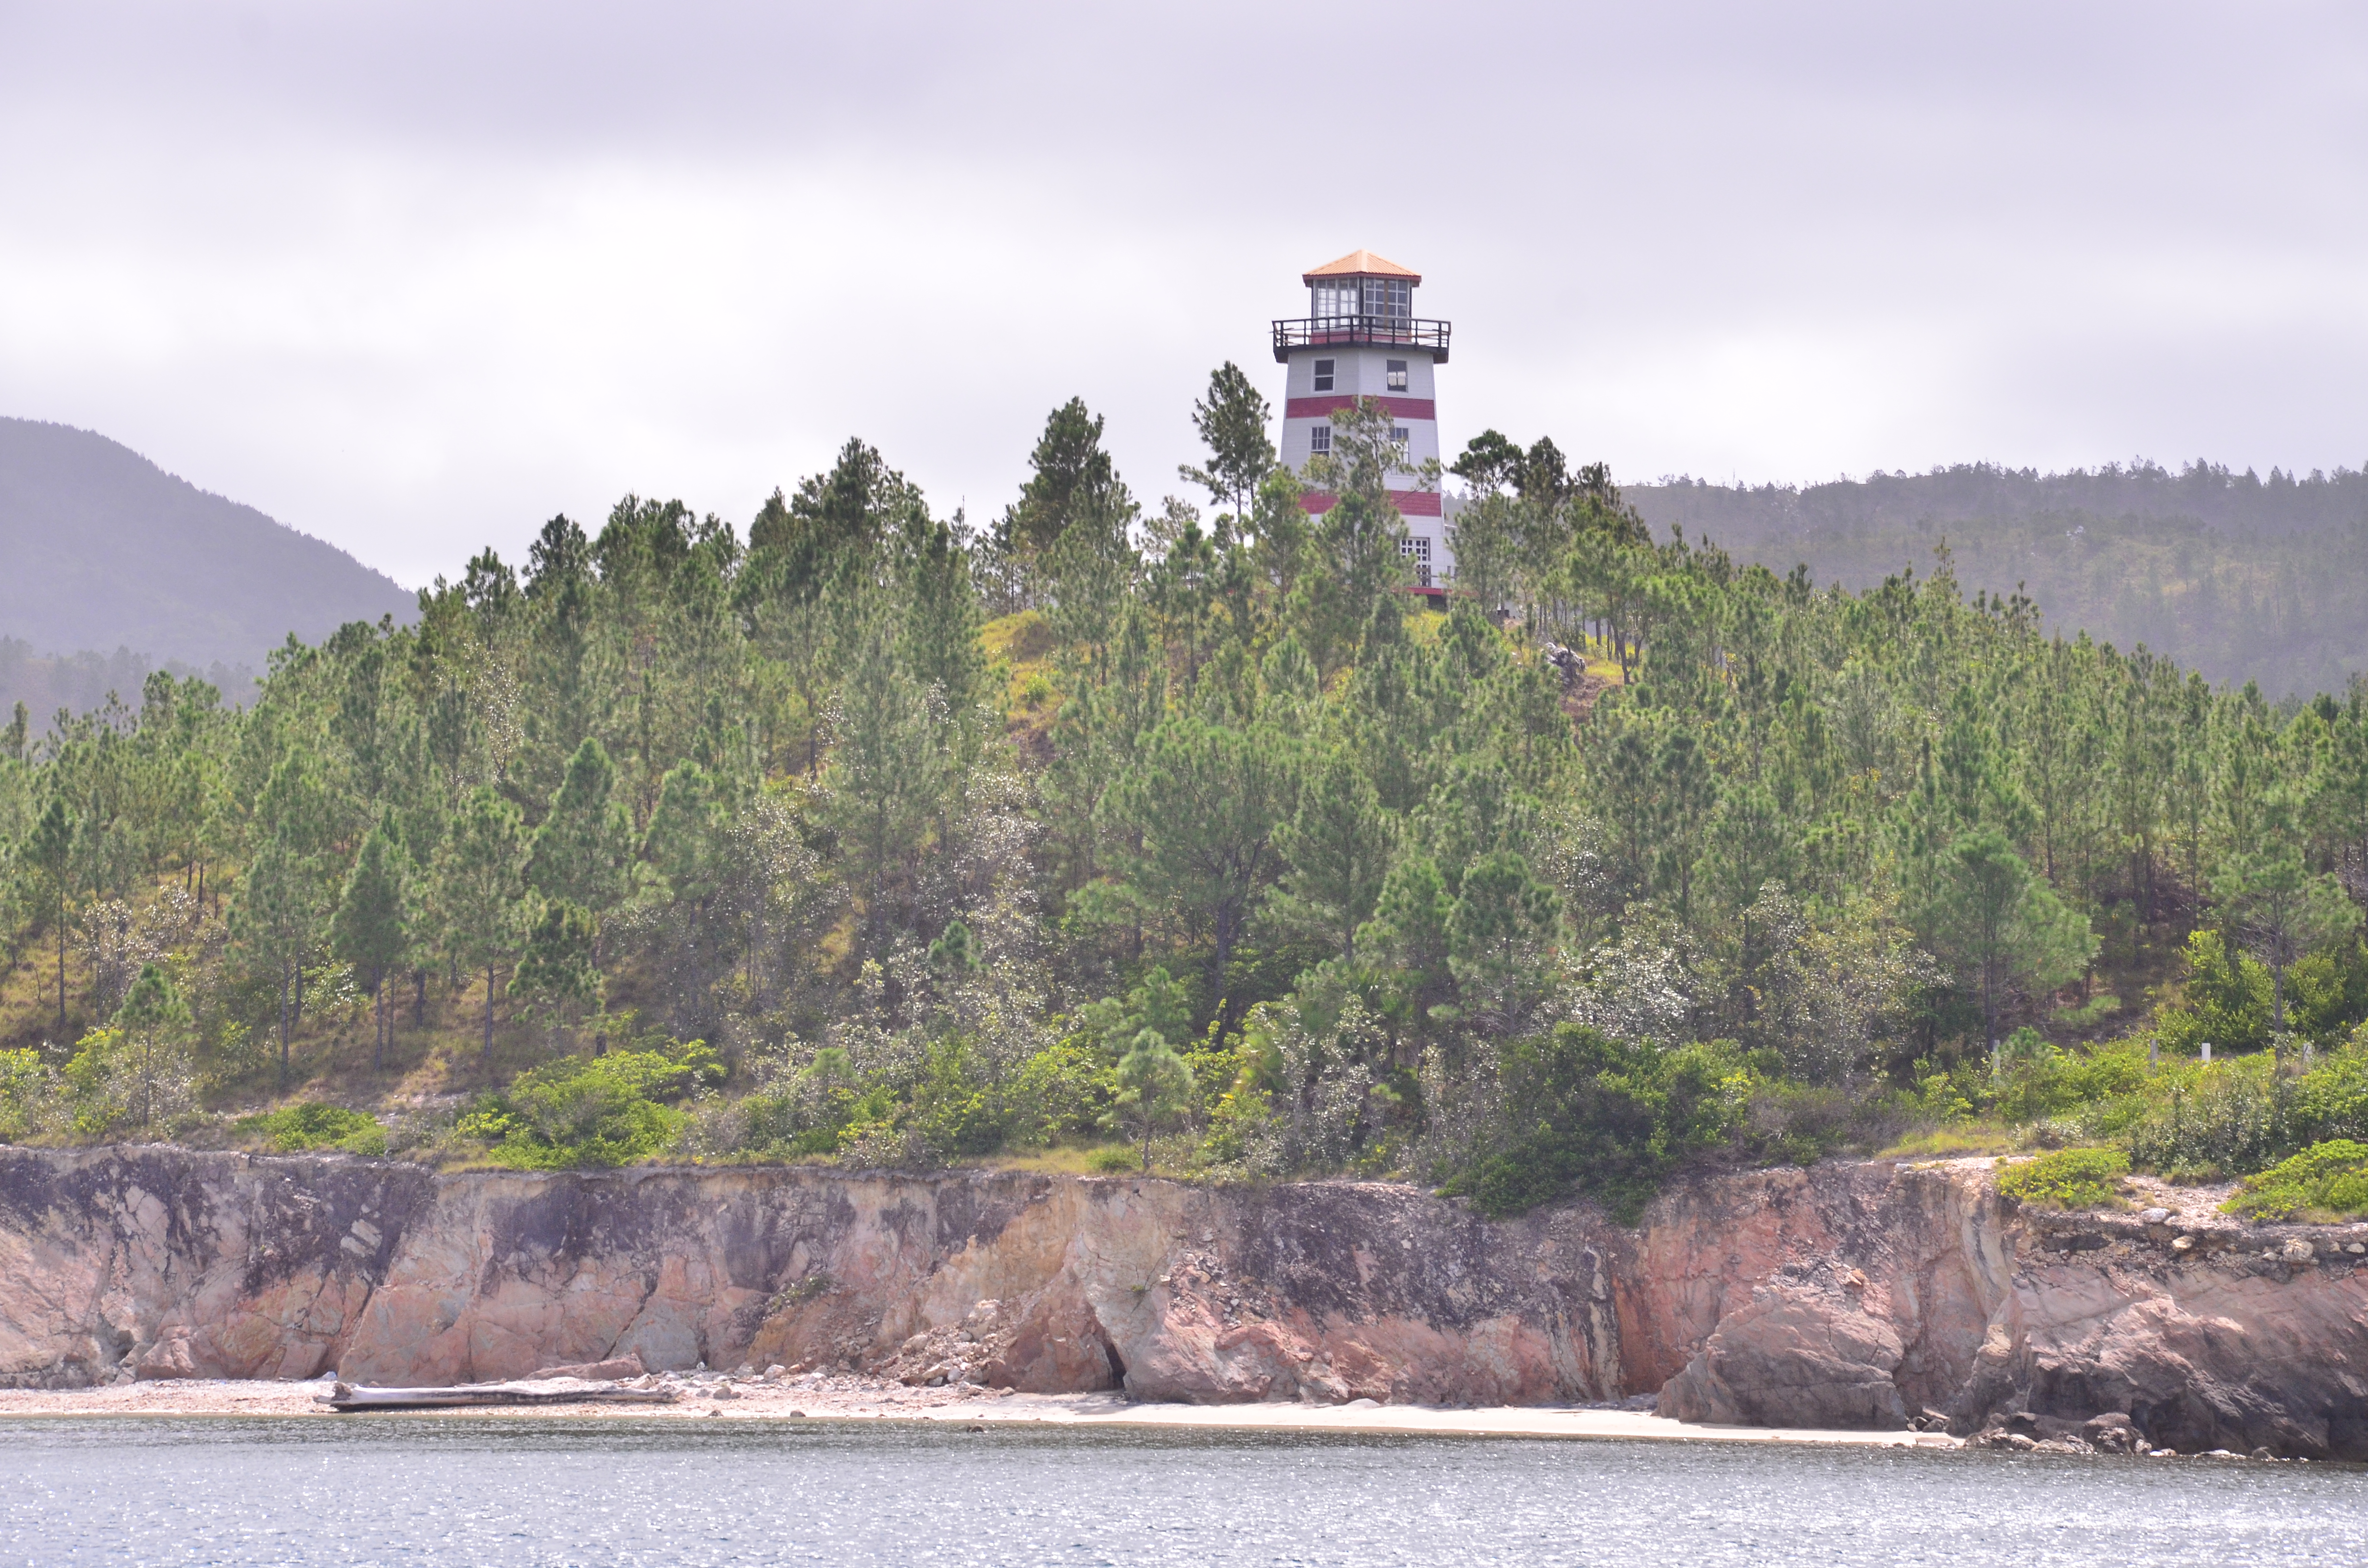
2207	1054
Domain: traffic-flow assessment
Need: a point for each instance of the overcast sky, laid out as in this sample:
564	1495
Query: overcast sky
412	277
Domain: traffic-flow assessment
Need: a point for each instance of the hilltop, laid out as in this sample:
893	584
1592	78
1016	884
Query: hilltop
115	565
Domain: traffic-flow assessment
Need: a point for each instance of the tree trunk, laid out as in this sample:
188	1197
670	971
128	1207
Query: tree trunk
1989	1010
489	1021
62	974
419	997
283	1026
377	1023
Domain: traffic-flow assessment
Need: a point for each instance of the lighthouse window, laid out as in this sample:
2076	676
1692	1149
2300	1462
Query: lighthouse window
1399	433
1319	439
1416	546
1397	375
1390	298
1324	374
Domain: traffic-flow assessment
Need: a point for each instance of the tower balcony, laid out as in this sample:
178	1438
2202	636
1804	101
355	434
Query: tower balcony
1390	332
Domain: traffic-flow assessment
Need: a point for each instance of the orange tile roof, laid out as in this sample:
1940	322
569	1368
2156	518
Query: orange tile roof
1360	264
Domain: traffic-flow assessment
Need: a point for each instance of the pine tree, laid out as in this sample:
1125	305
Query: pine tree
888	773
1203	802
2004	927
276	916
1152	1085
1071	480
1338	844
153	1022
1231	420
297	810
50	852
2282	912
372	927
1502	920
476	889
556	974
581	853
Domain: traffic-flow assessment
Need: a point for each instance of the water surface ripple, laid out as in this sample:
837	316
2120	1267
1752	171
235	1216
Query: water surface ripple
476	1493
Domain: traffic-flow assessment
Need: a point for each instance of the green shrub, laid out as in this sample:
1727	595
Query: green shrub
2069	1178
2246	1115
292	1128
1062	1091
1799	1124
136	1080
2041	1083
954	1110
2088	1014
2227	1001
2327	991
1114	1160
27	1092
2205	1122
1606	1117
2326	1182
599	1110
2331	1101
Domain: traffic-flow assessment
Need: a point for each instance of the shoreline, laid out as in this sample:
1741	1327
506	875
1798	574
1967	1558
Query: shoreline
862	1400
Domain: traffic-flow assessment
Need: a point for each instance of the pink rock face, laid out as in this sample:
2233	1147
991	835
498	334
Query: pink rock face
1793	1357
172	1264
1846	1294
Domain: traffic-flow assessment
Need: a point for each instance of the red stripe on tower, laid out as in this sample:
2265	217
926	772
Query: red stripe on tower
1409	503
1317	407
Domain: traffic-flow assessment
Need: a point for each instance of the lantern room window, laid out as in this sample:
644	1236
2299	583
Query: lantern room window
1382	299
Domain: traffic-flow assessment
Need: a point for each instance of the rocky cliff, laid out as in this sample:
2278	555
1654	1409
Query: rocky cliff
1846	1295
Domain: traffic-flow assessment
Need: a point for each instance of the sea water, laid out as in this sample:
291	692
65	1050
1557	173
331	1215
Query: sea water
480	1492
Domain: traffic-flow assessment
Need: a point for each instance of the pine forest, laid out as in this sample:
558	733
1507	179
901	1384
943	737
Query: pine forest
1106	836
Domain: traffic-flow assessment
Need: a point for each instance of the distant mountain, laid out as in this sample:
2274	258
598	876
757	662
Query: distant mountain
114	566
2241	578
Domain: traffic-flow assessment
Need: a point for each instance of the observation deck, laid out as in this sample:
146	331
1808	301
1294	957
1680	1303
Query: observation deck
1382	331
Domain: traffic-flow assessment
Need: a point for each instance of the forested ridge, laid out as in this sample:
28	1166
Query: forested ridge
1108	834
2241	578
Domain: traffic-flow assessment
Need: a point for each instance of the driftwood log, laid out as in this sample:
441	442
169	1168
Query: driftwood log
520	1391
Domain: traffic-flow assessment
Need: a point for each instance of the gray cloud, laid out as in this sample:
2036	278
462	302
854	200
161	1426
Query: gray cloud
414	277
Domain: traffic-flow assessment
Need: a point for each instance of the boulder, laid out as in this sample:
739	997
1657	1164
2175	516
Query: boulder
1795	1357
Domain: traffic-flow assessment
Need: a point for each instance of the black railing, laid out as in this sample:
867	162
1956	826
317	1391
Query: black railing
1316	331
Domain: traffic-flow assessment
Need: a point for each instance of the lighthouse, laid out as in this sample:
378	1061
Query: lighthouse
1360	340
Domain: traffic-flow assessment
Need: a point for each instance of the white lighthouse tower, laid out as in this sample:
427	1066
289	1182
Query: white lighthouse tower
1361	340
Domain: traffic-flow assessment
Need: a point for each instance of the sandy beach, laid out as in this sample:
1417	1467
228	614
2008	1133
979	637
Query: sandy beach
854	1399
